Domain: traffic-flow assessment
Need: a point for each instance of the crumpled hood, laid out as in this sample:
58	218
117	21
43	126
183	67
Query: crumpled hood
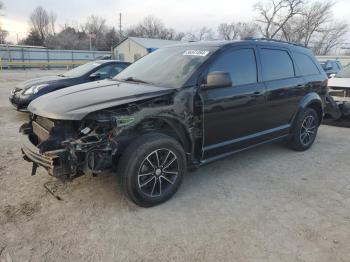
75	102
339	82
38	81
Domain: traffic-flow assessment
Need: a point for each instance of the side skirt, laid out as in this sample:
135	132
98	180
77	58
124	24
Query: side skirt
215	158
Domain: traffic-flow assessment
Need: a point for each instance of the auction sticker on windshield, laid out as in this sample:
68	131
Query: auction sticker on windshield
196	52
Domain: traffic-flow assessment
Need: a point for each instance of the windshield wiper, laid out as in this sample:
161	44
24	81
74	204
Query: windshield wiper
132	79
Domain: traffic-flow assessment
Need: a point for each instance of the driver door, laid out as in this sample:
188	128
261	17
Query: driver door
234	116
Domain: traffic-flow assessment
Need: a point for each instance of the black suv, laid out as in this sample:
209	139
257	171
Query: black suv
177	108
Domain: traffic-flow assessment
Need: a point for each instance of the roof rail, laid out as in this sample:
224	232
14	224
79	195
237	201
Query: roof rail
272	40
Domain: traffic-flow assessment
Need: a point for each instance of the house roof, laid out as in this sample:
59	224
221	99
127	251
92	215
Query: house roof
150	42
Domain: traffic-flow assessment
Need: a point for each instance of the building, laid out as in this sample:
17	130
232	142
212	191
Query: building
133	48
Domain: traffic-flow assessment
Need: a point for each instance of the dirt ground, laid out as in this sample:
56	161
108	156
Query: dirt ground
266	204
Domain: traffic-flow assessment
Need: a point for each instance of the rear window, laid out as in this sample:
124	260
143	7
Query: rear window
305	64
276	64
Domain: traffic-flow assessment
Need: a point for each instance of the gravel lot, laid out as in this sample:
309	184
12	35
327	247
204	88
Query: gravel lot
266	204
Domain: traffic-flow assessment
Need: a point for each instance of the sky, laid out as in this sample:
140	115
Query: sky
182	15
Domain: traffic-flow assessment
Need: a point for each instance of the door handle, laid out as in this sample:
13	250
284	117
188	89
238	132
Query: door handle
256	94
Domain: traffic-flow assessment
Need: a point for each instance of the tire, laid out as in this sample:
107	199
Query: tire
151	169
305	130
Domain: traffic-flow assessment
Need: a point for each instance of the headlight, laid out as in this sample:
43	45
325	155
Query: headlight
34	89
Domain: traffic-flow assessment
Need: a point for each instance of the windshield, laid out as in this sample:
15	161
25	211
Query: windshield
81	70
344	73
167	67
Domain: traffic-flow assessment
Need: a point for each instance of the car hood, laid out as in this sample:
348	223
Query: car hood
339	82
75	102
38	81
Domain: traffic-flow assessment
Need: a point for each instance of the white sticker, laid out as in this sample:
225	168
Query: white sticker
196	52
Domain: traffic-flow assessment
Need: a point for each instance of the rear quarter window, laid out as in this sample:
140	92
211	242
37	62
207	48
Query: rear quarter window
276	64
305	64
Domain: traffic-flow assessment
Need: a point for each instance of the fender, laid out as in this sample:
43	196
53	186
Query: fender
180	129
311	99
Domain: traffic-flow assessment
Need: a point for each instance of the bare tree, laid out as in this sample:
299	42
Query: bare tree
310	22
96	27
3	33
330	38
203	33
52	23
228	31
70	37
315	27
240	30
247	29
274	14
152	27
40	23
111	38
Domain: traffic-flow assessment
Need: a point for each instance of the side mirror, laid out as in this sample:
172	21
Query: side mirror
95	76
218	79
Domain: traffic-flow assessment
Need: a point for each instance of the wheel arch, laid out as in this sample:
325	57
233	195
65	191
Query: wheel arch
311	100
167	125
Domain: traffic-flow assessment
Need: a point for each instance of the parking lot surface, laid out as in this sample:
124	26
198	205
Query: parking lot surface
266	204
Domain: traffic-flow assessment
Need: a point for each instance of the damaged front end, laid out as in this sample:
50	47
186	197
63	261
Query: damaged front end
68	149
71	148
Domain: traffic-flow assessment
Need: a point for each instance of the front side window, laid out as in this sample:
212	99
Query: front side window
276	64
110	70
167	67
240	64
305	64
82	70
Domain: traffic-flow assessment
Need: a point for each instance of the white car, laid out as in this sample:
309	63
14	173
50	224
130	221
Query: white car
339	94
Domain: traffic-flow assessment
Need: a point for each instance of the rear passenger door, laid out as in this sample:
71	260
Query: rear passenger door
283	88
308	69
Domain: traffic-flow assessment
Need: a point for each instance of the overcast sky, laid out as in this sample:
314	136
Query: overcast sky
182	15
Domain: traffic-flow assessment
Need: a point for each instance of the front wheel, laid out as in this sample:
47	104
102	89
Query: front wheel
151	169
305	130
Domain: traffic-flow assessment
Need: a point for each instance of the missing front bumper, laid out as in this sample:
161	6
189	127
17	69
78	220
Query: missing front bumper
56	162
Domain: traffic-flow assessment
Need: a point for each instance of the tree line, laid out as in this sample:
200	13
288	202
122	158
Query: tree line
309	22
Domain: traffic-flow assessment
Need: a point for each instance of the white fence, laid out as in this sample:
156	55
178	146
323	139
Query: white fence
16	56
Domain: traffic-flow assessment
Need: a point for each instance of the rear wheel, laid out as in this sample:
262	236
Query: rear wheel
151	169
305	130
